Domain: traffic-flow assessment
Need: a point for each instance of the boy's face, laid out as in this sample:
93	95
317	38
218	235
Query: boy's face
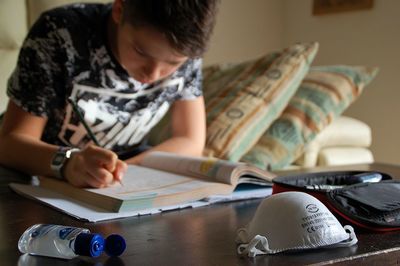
145	53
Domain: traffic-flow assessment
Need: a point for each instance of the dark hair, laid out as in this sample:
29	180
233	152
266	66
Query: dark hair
188	24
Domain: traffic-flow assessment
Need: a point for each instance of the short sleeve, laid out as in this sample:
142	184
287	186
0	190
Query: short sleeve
192	80
35	83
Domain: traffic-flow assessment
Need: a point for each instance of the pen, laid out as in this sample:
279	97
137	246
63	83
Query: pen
368	177
82	120
323	187
88	130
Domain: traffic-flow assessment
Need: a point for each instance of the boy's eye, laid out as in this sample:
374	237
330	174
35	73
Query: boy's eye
174	64
138	51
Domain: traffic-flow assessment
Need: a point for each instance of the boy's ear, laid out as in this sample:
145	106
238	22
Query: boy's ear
117	11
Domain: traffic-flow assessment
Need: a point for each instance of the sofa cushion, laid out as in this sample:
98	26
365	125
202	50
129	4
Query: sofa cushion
7	65
13	24
243	99
324	94
344	155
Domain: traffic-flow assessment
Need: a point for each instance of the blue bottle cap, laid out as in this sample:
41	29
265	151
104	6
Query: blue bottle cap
115	245
91	245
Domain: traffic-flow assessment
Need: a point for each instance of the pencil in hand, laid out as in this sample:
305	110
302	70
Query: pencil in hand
87	128
82	120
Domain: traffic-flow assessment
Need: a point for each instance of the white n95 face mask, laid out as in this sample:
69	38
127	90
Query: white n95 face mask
292	221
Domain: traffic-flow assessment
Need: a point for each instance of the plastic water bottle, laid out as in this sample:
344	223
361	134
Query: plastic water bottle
68	242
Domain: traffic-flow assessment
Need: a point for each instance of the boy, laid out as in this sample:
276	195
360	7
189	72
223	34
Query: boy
123	65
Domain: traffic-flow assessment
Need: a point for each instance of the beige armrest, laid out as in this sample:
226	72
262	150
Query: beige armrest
343	132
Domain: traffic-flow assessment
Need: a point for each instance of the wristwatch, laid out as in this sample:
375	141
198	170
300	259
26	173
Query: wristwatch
60	159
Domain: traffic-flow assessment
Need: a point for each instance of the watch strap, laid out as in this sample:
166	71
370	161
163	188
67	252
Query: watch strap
60	159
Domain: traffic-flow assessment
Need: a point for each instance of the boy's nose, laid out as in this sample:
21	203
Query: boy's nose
151	73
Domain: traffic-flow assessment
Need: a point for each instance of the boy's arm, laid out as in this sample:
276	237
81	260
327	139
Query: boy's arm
188	122
20	145
21	148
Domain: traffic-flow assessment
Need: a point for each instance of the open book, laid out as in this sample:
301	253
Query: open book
165	179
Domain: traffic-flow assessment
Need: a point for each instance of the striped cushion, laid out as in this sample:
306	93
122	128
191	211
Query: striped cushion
323	95
243	99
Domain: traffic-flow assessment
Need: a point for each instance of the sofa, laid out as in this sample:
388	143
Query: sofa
346	140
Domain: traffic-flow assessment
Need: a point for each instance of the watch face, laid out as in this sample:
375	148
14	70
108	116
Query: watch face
58	159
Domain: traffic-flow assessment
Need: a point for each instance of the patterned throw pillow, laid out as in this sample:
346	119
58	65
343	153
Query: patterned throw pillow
243	99
323	95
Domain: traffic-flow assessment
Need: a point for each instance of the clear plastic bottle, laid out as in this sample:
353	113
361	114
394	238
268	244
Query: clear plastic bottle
60	241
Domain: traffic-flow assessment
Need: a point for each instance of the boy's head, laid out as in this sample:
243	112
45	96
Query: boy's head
187	24
153	38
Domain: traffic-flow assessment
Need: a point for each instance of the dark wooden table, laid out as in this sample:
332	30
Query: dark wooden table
202	236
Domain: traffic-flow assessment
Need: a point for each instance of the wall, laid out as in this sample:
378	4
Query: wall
359	38
246	29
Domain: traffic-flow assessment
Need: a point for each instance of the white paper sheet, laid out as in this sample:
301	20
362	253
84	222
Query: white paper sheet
90	213
82	210
241	195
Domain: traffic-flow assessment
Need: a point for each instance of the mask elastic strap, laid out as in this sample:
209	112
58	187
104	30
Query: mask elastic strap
351	240
251	248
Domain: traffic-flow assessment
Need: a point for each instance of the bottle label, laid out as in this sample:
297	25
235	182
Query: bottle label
41	230
68	233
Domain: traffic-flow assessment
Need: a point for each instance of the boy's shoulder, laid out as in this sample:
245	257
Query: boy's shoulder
79	16
78	10
190	67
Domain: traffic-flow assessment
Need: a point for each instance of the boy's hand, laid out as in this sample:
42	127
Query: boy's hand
94	167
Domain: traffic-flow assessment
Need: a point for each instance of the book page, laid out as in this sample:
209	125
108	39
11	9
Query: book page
199	167
248	174
141	182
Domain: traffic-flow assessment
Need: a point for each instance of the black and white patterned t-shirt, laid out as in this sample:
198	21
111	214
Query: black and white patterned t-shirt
66	55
